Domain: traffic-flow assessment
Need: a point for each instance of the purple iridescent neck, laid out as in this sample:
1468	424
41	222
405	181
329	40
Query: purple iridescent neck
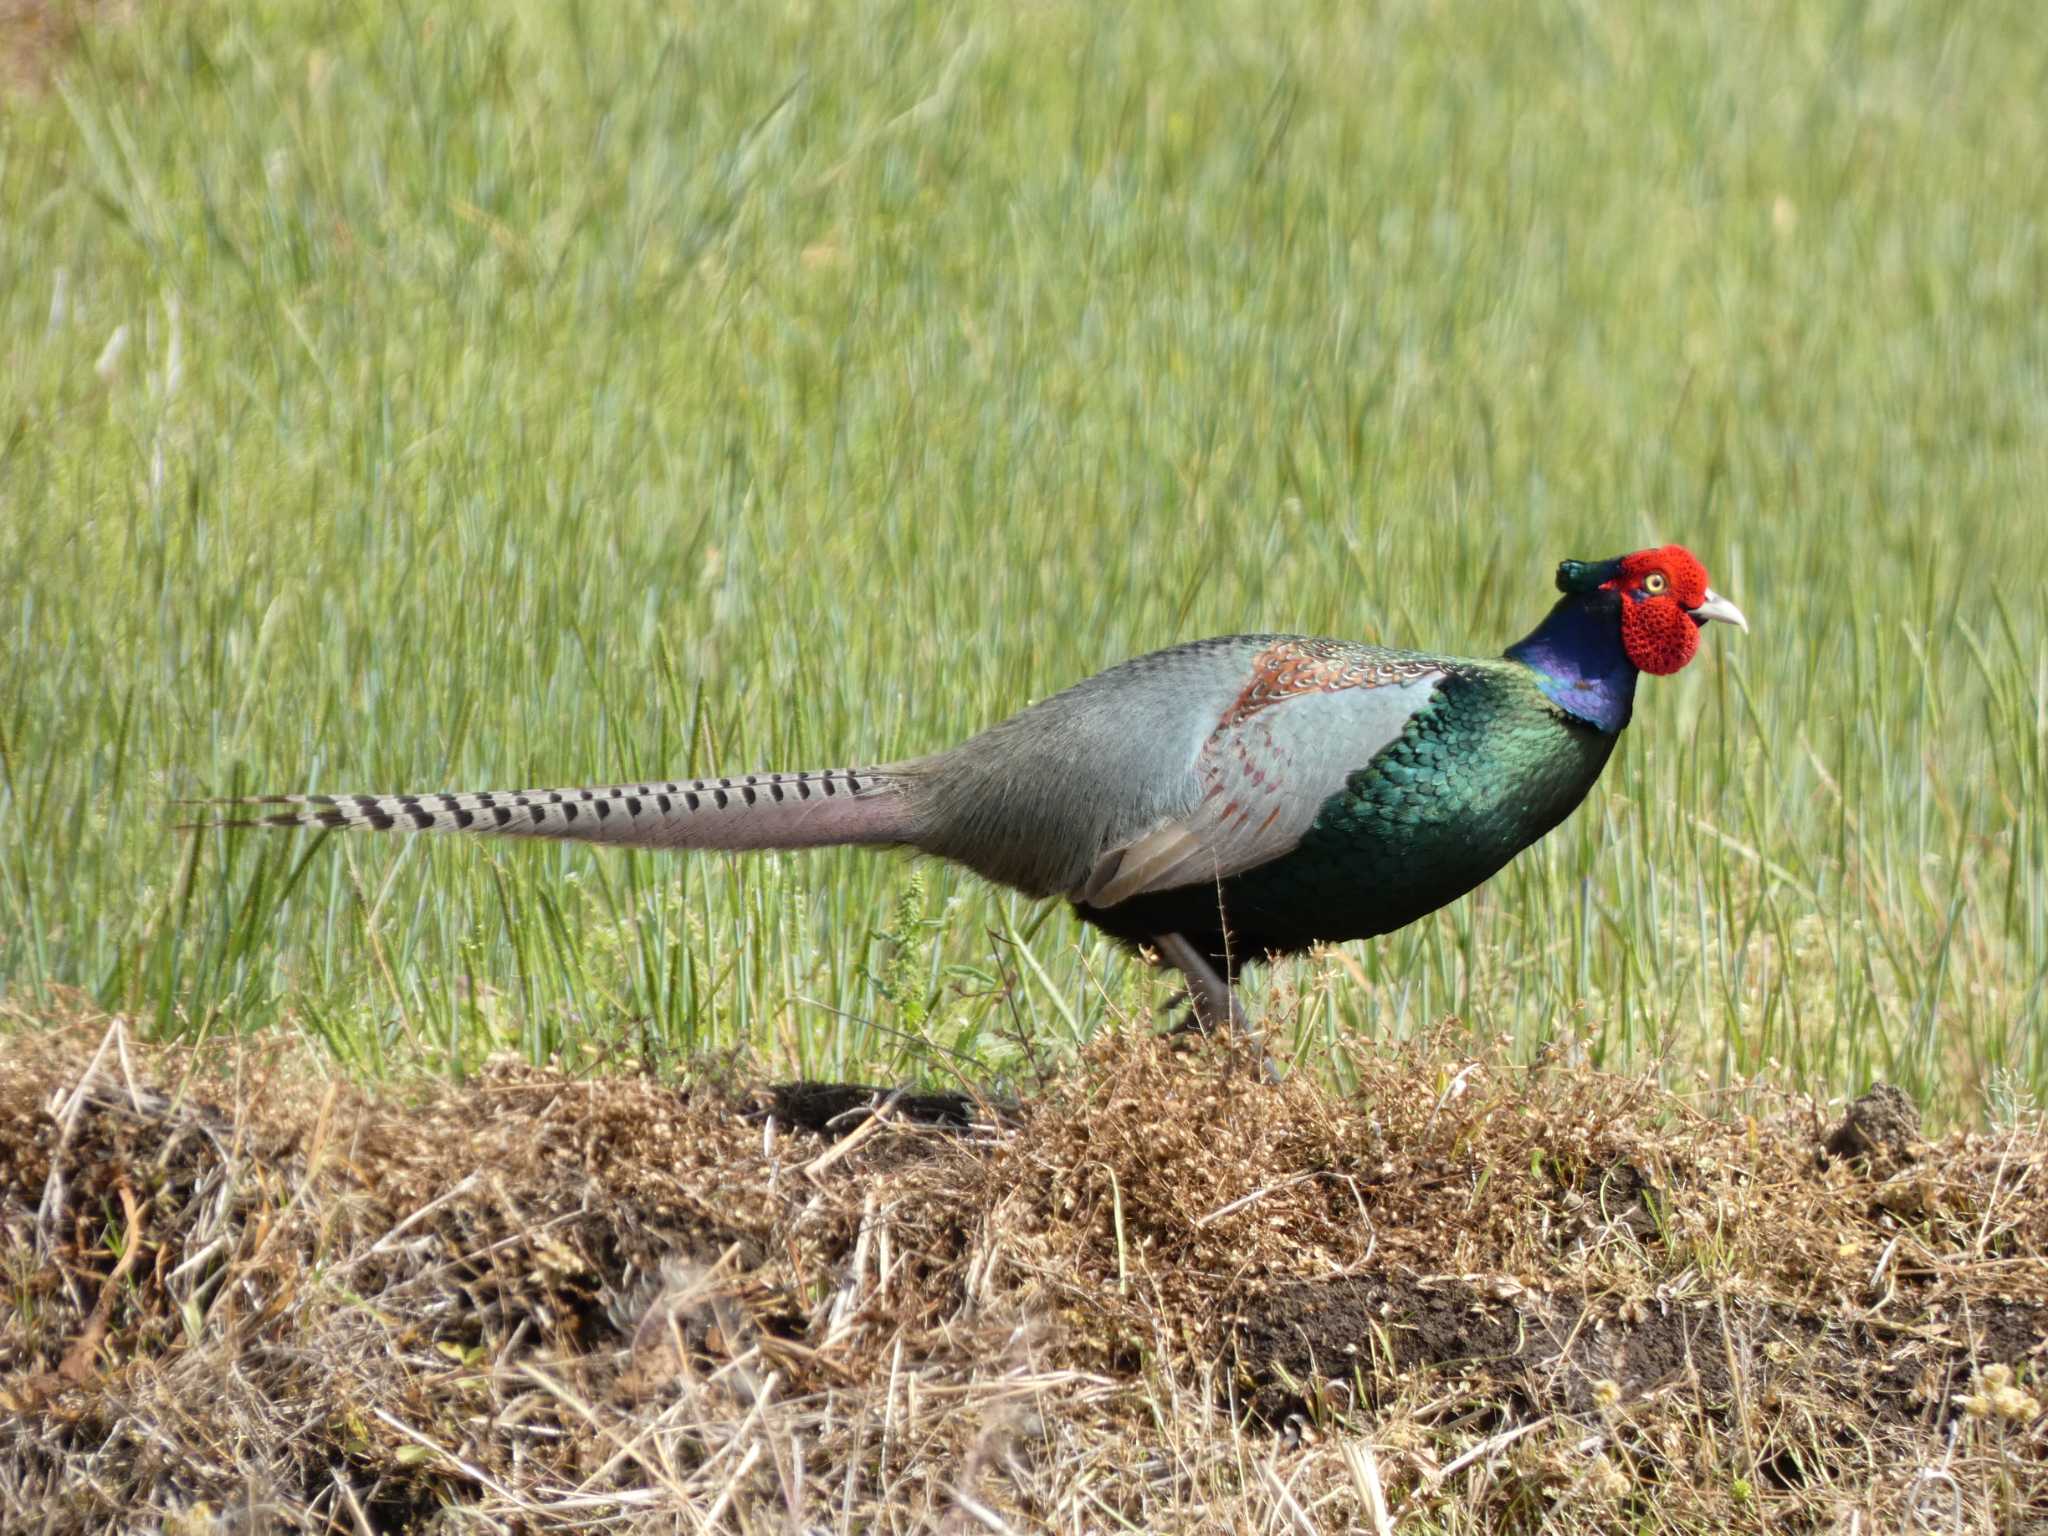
1578	661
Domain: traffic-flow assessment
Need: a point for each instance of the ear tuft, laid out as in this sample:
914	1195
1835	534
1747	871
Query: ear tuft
1586	575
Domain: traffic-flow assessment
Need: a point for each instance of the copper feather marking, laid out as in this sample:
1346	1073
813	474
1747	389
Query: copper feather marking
1294	667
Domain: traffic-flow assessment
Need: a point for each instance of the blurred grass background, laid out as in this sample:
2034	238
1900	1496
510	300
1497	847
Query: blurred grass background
410	397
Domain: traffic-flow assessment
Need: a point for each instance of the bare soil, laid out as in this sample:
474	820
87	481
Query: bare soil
1468	1296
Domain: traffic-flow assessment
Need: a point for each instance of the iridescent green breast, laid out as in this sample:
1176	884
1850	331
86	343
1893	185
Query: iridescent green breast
1481	772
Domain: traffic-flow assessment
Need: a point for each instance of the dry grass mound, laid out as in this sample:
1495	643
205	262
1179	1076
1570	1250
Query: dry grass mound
1469	1297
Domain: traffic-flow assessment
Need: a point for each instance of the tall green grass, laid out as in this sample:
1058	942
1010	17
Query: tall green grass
557	393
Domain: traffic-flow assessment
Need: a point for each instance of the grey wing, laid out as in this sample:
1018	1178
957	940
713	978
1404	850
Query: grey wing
1177	767
1261	782
1034	801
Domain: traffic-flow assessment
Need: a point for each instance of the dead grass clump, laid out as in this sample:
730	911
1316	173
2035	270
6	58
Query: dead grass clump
1469	1296
36	35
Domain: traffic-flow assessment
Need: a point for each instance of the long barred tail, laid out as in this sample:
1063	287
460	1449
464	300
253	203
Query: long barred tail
757	810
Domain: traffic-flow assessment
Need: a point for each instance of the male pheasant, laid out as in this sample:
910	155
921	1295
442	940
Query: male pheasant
1221	801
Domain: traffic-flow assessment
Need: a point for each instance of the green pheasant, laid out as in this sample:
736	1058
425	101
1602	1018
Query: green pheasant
1221	801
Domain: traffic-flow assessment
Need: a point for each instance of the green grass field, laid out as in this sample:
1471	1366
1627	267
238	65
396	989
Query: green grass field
410	398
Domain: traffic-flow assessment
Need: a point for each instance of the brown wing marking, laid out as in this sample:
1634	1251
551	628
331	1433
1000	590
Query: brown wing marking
1294	667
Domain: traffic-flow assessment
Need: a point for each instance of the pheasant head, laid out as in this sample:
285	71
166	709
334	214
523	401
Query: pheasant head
1618	618
1665	602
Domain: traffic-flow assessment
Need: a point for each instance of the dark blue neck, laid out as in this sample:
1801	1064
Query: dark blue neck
1578	661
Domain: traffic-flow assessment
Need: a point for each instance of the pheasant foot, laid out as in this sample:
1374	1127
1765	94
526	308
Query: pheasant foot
1213	999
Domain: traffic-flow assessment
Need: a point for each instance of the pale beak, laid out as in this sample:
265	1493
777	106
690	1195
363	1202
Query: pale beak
1718	607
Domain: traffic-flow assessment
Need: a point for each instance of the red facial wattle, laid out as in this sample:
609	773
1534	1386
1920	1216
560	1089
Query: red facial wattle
1659	590
1657	633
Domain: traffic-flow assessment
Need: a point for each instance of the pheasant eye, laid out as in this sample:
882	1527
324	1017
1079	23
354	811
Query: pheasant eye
1654	582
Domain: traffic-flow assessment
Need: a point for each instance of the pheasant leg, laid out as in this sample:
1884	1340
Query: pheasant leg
1214	1001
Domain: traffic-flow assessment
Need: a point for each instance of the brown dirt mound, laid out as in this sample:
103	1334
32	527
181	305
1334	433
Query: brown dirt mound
1472	1295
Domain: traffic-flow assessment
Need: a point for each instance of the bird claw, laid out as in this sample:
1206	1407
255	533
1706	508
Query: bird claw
1195	1021
1211	998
